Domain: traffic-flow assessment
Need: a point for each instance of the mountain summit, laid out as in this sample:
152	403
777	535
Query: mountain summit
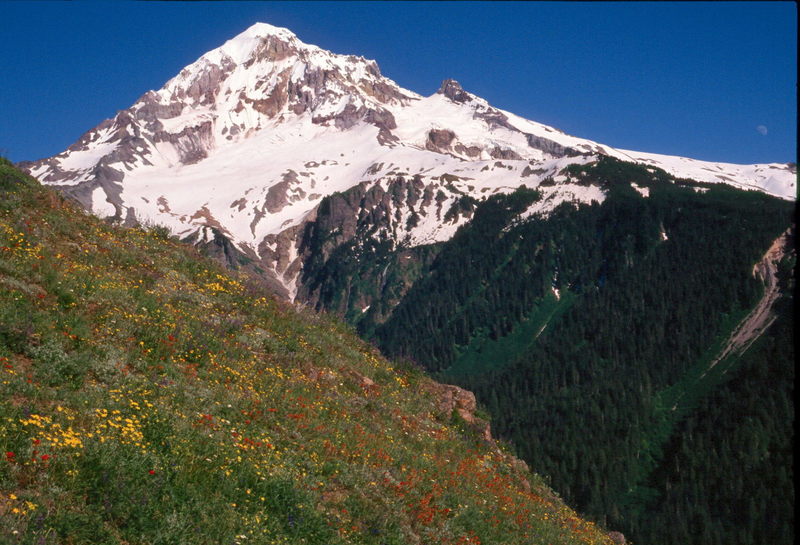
244	144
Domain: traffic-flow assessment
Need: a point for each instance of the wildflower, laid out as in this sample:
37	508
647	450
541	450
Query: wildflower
152	472
45	457
10	456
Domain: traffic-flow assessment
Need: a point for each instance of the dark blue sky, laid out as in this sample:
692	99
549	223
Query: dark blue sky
714	81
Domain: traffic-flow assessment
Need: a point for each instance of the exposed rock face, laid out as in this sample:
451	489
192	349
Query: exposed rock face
439	140
249	140
452	90
281	258
617	537
218	246
472	151
452	399
281	194
152	111
367	208
528	171
367	223
494	119
191	143
498	153
551	147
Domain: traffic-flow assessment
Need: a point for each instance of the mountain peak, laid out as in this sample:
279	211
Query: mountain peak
242	46
266	29
270	125
453	90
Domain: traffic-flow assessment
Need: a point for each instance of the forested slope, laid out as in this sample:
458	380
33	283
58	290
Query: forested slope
596	326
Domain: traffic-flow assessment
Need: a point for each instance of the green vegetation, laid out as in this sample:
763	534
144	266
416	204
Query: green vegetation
361	278
149	397
486	354
650	288
734	455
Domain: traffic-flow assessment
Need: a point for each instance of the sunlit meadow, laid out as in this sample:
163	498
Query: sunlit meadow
149	396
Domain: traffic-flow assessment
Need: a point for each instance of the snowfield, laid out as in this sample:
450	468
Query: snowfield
250	138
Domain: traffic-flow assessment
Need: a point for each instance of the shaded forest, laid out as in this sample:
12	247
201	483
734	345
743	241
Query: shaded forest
575	331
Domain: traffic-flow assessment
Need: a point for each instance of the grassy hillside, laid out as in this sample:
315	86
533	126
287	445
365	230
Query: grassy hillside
147	396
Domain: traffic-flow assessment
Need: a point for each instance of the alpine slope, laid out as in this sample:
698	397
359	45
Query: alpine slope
247	141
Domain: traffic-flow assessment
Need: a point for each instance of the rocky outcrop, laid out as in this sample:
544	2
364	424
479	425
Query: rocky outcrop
617	537
192	143
500	153
365	209
274	48
274	103
282	193
150	109
452	90
452	400
216	245
280	254
439	140
494	119
472	152
367	224
550	147
202	86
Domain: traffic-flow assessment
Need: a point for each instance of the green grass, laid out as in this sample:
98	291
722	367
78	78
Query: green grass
676	402
147	396
485	354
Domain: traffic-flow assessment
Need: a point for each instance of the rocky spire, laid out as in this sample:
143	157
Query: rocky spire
452	90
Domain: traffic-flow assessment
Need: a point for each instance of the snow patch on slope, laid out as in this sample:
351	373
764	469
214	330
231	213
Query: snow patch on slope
251	137
774	178
643	191
554	196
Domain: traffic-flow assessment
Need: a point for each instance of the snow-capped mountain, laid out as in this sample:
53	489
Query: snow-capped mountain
246	142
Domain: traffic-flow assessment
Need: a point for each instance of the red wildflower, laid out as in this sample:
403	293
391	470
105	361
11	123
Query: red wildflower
36	441
152	472
10	456
45	457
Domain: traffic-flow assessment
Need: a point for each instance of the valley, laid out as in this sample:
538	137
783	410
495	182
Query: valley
623	319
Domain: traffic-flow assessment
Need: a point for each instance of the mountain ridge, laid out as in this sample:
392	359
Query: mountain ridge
581	291
246	141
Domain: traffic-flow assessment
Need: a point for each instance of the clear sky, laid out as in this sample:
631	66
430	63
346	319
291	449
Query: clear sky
714	81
